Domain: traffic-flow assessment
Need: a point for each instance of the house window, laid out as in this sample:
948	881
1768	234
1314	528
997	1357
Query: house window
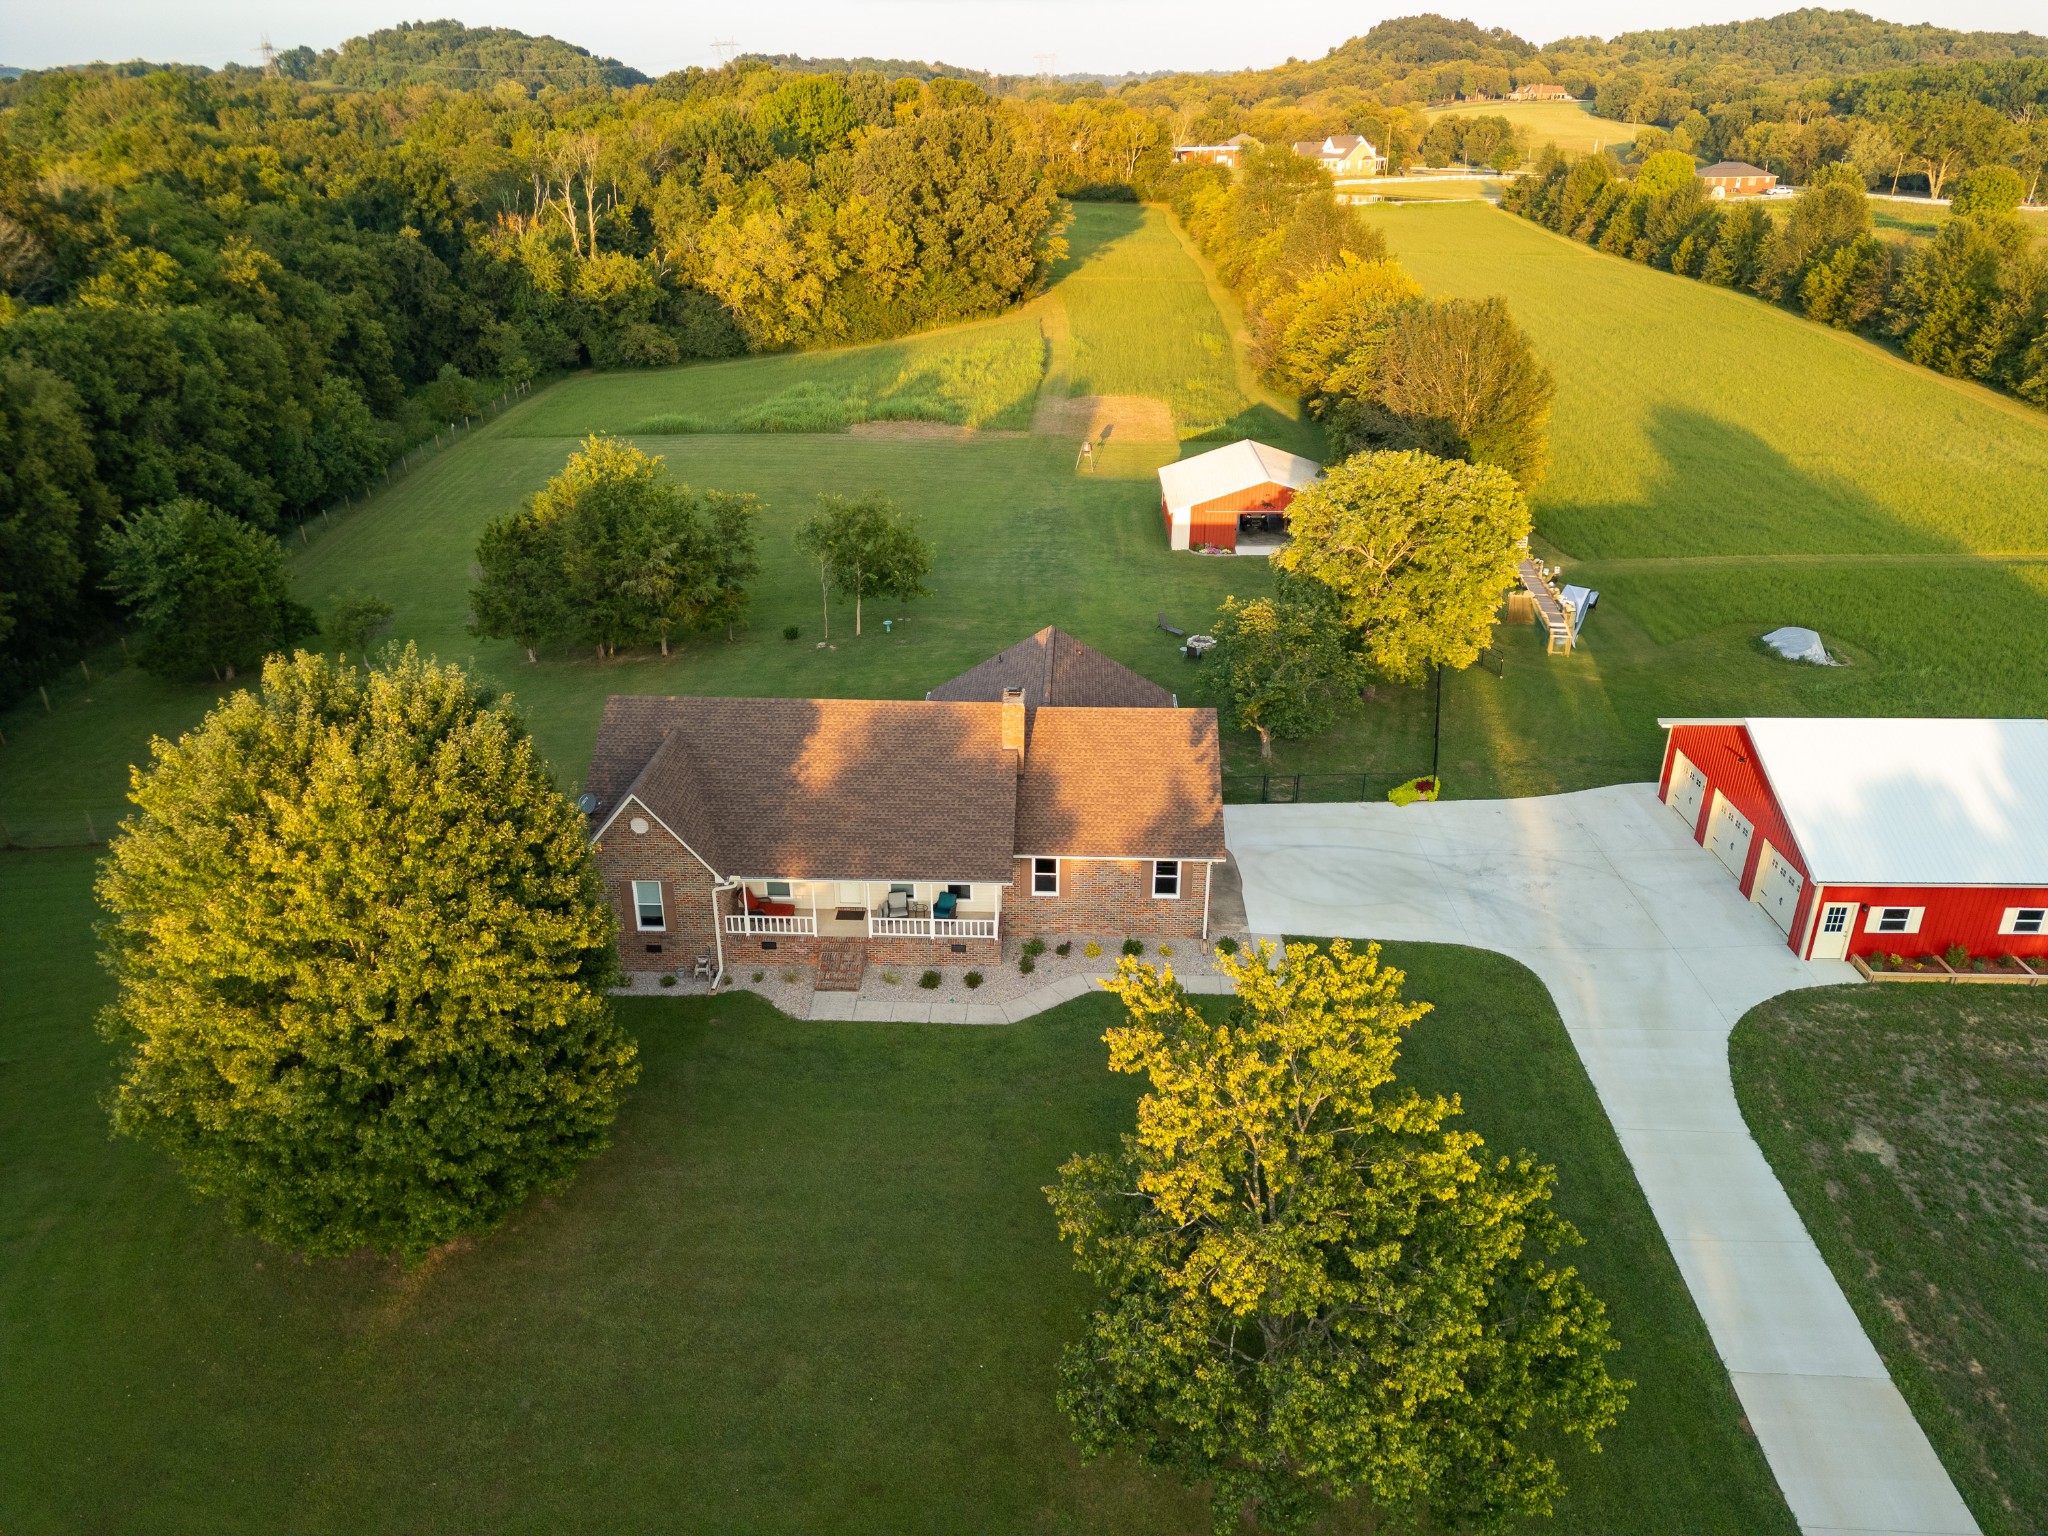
2025	920
1836	920
1166	879
1895	920
1045	877
647	905
778	890
962	893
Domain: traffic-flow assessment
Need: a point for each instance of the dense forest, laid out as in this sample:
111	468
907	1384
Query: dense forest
253	291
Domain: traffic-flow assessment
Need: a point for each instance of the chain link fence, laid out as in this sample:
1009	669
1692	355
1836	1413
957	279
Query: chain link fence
1322	788
83	827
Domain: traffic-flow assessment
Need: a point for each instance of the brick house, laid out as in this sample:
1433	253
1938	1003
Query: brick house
1049	790
1736	178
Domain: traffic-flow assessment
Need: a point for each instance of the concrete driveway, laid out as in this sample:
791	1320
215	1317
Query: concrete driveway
1651	955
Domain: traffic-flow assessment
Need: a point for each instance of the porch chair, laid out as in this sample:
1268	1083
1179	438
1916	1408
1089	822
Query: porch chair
944	905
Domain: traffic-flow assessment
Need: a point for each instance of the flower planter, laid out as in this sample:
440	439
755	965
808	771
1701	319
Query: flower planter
1428	787
2008	971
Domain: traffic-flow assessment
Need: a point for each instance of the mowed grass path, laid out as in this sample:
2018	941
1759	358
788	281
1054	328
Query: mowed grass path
813	1286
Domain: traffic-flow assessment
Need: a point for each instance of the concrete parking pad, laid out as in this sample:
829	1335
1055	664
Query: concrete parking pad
1651	954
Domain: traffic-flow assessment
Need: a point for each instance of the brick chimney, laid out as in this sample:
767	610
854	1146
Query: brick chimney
1013	724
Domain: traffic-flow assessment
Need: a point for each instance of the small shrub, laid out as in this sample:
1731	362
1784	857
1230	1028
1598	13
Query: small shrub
670	424
788	974
890	978
1957	956
668	981
1091	949
1166	950
1898	962
759	974
1034	947
1226	945
1875	962
929	981
972	979
355	616
791	631
1026	965
1134	947
1064	947
1424	788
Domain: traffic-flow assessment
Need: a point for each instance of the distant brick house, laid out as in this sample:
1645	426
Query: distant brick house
1736	178
1343	154
1049	790
1243	488
1541	90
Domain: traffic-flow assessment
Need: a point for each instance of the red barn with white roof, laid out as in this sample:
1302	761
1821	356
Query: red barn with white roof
1862	836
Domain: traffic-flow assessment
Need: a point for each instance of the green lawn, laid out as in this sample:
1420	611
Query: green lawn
1570	125
1910	1127
813	1286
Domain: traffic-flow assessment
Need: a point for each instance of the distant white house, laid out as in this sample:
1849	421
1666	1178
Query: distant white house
1343	154
1243	487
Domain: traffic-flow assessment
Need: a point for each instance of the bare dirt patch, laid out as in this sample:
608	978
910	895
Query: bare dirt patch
1095	418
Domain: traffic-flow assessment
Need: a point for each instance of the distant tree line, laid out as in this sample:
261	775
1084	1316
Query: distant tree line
1972	302
254	292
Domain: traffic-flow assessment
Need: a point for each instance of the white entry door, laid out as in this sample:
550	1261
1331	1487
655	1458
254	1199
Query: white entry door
1687	790
1831	939
1778	886
1728	834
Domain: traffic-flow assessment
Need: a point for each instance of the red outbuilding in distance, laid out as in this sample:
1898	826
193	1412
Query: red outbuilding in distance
1863	836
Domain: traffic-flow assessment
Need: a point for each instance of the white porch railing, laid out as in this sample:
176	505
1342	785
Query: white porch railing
931	927
759	922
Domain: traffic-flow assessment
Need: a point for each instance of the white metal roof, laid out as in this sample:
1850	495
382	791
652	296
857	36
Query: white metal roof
1912	802
1233	467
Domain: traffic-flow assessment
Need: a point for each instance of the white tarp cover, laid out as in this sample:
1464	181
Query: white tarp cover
1797	644
1234	467
1582	600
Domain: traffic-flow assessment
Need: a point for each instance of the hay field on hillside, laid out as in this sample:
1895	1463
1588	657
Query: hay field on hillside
1570	125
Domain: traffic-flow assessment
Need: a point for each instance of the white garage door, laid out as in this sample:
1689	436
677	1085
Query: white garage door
1778	886
1728	834
1688	790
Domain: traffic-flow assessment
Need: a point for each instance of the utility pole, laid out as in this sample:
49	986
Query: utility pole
1436	745
1046	64
269	56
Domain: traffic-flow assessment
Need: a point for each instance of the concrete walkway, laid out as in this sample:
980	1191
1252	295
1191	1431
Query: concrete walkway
908	1009
1651	955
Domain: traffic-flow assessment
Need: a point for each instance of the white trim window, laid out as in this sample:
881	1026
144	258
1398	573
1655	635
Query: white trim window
2024	920
1894	920
648	908
1045	877
1166	879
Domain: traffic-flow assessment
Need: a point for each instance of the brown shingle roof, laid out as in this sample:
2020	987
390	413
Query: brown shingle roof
817	789
1731	168
1122	783
1052	667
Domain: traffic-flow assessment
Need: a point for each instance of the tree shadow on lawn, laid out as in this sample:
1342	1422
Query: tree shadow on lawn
1720	489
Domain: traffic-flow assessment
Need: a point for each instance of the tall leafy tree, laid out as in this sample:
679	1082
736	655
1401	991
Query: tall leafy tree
1458	379
51	508
1287	661
1312	1287
866	547
1418	551
210	592
522	589
361	948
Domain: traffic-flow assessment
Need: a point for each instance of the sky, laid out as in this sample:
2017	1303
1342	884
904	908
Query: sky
1011	36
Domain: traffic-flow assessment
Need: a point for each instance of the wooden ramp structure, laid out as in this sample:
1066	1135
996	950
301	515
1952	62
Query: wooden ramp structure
1552	611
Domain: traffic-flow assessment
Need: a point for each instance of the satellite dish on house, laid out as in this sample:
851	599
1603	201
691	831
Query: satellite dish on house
586	802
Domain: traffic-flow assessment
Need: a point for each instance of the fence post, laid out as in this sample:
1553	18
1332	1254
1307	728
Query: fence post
85	669
46	697
92	833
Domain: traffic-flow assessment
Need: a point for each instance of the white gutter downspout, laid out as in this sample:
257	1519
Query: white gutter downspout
1208	879
718	888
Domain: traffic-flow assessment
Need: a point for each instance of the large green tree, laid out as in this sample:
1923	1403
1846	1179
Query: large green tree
1287	661
1419	552
51	508
211	593
1311	1286
867	548
1458	379
362	948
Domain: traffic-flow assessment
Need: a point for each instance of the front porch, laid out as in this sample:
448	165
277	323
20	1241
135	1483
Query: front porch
855	909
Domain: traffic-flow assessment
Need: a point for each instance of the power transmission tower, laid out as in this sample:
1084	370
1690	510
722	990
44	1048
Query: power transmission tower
1046	63
269	56
725	48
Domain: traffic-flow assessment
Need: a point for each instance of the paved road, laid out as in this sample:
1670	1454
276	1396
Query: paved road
1651	955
